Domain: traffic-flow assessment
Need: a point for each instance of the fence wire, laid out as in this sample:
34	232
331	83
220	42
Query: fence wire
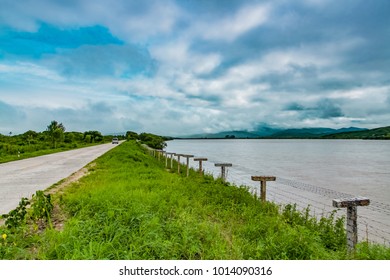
373	220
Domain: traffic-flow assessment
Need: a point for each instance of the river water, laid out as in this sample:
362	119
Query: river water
309	173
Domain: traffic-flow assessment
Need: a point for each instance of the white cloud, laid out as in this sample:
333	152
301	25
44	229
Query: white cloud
379	93
205	64
174	52
28	70
230	28
176	56
33	85
156	19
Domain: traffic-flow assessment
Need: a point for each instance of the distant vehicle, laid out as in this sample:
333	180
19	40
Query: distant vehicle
115	141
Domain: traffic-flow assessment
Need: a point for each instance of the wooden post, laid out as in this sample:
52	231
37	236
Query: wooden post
351	205
188	163
263	184
200	164
223	166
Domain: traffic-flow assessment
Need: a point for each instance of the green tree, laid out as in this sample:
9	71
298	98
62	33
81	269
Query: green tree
130	135
152	140
94	136
56	131
29	136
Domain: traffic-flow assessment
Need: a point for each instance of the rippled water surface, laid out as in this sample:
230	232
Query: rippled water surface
355	167
308	171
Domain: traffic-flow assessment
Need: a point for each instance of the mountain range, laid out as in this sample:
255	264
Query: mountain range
299	133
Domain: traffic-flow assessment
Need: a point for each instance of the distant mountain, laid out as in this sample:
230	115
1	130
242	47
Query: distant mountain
258	132
225	134
264	131
277	133
315	132
376	133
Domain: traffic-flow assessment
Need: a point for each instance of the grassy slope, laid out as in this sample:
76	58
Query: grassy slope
130	207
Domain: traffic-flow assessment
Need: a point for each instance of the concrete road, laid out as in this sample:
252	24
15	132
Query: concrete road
23	178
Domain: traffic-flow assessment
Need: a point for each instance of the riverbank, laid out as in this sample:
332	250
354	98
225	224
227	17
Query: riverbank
130	206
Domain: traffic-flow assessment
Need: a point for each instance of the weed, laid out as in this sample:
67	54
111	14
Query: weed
330	230
17	217
131	208
41	207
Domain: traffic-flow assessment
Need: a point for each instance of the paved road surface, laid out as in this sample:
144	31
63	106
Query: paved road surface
24	177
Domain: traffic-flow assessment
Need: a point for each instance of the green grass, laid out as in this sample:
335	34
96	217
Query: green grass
13	157
131	207
33	144
46	150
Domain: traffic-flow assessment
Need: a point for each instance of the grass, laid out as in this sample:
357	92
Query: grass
43	151
131	207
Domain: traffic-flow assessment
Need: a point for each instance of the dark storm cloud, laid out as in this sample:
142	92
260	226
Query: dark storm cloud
328	109
324	109
294	107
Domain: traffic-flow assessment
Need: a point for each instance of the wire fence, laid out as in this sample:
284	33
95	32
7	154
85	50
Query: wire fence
373	220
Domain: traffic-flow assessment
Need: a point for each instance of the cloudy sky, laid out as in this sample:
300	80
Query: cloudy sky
192	66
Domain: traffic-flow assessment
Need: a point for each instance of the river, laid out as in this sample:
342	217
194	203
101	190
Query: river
308	172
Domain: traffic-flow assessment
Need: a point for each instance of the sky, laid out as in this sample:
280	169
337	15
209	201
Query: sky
193	66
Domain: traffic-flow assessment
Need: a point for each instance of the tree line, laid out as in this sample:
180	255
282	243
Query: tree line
152	140
54	138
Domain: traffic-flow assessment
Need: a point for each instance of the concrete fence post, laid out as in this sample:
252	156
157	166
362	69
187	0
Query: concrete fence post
263	185
178	163
351	204
188	163
200	160
166	160
159	153
223	169
173	154
163	154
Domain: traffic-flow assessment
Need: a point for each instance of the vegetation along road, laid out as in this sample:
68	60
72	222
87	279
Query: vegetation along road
131	207
24	177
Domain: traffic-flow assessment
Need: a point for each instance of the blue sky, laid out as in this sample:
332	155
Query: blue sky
191	66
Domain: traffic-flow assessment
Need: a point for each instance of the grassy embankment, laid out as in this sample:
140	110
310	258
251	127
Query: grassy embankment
131	207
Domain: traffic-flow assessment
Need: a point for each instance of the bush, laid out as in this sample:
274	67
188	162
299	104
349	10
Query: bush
153	141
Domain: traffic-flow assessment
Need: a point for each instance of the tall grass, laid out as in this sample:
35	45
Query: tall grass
131	207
